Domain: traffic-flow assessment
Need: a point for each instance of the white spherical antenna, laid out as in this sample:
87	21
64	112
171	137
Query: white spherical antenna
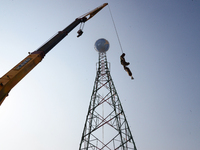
101	45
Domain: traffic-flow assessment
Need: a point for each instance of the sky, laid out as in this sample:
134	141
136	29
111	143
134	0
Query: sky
47	109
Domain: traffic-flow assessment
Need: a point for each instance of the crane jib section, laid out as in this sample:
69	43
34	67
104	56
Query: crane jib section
11	78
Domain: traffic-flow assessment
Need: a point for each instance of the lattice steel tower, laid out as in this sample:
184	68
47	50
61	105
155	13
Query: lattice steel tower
106	127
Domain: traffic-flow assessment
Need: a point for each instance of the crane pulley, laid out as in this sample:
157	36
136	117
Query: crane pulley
88	16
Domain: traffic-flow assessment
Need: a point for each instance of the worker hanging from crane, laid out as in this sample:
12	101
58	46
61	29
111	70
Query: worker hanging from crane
122	59
125	64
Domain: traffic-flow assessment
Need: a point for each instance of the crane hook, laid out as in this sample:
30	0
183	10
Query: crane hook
80	31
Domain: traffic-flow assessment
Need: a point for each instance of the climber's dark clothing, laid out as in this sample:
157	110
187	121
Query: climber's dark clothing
125	64
123	61
128	71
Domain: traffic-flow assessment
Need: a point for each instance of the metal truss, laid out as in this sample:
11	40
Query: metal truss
106	127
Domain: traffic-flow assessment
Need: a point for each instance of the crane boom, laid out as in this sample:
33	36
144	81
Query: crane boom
12	77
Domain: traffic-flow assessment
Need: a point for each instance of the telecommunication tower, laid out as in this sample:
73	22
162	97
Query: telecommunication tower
106	126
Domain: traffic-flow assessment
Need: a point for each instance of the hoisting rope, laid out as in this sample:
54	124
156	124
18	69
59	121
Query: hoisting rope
82	25
122	59
115	29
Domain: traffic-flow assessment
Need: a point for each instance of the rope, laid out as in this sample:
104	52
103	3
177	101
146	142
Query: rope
115	29
82	25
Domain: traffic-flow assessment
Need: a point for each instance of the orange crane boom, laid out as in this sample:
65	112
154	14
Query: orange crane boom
12	77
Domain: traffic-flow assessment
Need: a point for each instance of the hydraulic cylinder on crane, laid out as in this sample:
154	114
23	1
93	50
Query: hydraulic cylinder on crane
12	77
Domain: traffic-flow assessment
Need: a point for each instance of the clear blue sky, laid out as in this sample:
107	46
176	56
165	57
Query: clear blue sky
47	109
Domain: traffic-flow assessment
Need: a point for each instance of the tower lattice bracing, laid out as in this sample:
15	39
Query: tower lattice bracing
106	127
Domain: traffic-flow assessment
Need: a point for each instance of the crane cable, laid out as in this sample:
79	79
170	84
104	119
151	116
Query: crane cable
115	29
